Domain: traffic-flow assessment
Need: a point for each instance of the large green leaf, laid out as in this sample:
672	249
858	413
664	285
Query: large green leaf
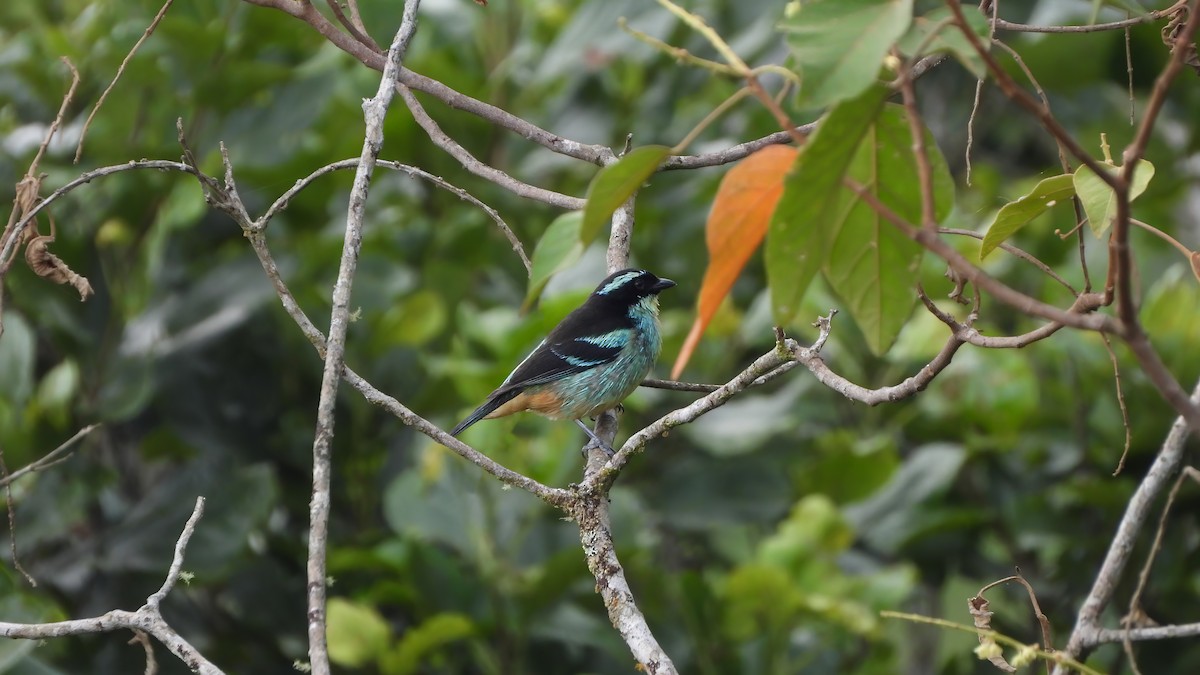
1099	200
1014	215
839	45
615	183
796	239
871	264
560	247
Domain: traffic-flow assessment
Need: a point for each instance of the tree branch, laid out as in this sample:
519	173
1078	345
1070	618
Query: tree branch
260	224
1087	632
373	59
479	168
1150	17
53	457
374	112
148	618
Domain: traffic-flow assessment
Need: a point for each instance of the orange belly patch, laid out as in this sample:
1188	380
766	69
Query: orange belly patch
543	402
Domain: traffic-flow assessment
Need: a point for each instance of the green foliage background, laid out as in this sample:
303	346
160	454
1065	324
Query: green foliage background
764	538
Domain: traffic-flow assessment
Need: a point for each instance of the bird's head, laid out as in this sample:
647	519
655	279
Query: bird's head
632	288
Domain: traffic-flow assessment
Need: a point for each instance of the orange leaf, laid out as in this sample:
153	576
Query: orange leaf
736	226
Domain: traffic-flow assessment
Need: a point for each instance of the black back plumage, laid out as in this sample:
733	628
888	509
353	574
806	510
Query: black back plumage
562	353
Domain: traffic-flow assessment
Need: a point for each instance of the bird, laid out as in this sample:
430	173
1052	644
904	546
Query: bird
595	357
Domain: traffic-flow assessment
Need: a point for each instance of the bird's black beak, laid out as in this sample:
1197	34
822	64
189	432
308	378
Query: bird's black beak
662	285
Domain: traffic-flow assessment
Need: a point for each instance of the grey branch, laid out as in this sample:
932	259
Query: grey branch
282	202
53	457
224	198
477	167
374	112
1087	633
8	244
147	618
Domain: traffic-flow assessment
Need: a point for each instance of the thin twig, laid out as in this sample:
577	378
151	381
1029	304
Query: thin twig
260	224
147	618
10	507
1043	620
305	12
1058	657
1020	253
916	129
1093	28
490	173
52	458
120	71
1024	100
970	272
1116	366
354	27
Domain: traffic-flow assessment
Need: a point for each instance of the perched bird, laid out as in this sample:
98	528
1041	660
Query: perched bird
592	360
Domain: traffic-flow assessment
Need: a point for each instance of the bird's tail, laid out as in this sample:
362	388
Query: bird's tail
497	399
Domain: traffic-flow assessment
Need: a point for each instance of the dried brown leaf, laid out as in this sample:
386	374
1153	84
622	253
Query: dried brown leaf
50	267
1195	258
1170	33
982	617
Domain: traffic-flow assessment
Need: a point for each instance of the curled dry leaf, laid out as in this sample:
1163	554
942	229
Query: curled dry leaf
1172	30
1195	258
49	266
982	617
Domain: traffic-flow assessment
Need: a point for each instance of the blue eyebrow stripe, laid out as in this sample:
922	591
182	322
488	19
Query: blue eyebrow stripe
619	282
612	340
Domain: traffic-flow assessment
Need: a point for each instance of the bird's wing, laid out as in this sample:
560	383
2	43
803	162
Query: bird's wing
555	359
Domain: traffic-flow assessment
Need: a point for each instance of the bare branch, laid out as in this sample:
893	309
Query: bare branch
225	199
374	112
53	457
147	618
595	535
816	365
1023	99
8	244
355	26
281	203
1087	633
120	71
479	168
604	477
1093	28
374	59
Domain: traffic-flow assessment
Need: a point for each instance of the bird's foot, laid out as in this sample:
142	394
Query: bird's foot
595	440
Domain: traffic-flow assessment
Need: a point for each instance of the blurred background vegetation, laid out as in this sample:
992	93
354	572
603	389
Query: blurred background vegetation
762	539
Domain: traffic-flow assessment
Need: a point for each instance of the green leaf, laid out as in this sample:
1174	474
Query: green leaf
891	515
17	350
1014	215
615	183
357	633
1099	200
560	247
416	320
421	642
870	263
839	45
57	389
948	39
796	239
